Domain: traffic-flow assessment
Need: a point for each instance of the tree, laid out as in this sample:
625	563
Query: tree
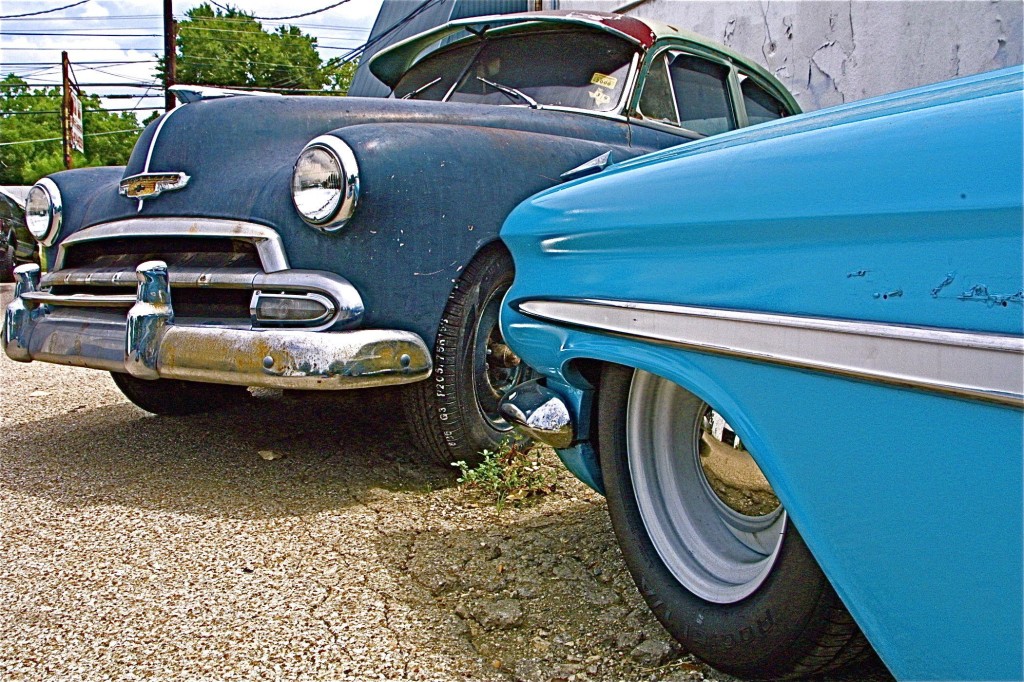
28	116
232	49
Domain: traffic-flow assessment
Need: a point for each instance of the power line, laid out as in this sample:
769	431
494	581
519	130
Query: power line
294	16
45	11
137	84
4	65
103	18
60	139
91	94
357	51
82	35
82	49
87	111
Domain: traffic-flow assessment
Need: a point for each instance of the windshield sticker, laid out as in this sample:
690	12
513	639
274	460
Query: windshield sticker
600	97
604	81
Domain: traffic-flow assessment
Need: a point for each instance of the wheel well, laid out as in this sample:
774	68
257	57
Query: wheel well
493	245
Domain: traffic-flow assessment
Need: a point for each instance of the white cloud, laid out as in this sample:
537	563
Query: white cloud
37	57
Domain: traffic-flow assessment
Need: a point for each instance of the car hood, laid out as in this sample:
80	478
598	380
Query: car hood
239	134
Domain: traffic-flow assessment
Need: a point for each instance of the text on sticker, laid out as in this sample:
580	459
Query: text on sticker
604	81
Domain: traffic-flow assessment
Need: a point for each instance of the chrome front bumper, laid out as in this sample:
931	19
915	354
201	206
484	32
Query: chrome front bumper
149	345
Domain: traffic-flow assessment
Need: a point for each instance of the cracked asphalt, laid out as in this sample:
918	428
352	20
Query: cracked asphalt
139	547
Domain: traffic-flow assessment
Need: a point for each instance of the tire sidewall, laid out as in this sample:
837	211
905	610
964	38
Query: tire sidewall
465	429
751	637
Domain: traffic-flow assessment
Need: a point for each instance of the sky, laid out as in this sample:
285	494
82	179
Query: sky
100	32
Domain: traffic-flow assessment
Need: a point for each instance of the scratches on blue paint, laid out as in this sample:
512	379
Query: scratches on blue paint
895	293
980	292
856	273
943	284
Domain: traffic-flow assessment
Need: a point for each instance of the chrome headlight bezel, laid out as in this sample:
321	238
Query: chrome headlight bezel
46	233
348	172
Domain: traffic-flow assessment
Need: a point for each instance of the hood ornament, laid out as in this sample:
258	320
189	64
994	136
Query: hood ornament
148	185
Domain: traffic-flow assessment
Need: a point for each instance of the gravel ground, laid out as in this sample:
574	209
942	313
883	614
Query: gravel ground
147	547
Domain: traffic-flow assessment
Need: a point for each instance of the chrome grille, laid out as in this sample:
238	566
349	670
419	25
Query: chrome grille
197	252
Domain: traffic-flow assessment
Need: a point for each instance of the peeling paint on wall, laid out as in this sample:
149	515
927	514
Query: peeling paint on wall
828	52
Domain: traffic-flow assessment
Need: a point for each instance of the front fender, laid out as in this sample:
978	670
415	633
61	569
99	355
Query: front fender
79	189
877	479
431	196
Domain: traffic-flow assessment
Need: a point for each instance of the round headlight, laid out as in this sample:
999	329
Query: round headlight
43	210
325	183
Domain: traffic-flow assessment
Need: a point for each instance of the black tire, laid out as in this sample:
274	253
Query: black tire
6	265
454	414
170	397
792	624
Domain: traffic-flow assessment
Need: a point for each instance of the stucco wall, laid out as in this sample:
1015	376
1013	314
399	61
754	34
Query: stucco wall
832	52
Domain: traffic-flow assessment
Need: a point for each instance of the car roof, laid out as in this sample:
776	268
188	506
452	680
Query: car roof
16	193
391	63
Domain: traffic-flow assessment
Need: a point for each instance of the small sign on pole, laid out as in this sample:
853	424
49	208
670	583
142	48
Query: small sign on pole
70	113
76	135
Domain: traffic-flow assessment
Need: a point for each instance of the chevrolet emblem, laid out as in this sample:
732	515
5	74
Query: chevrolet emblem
146	185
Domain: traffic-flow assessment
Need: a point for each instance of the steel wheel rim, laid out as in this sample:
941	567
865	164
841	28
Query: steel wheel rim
715	552
491	382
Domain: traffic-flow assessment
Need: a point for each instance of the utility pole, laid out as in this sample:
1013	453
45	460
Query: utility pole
170	33
65	108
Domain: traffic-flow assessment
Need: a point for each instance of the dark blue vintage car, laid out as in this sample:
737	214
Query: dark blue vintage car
338	243
803	349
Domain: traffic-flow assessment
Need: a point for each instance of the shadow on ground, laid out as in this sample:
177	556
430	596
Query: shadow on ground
326	450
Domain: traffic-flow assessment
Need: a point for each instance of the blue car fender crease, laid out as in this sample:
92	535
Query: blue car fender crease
845	289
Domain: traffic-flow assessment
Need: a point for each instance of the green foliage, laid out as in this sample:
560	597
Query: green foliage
514	473
232	49
23	118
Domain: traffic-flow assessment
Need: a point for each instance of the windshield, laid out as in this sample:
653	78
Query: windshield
576	68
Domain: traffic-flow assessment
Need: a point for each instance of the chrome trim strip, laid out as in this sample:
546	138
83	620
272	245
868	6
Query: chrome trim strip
156	134
967	364
268	242
180	277
80	300
152	146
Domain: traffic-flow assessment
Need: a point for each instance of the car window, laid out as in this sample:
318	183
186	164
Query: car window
435	75
760	105
533	63
656	101
701	90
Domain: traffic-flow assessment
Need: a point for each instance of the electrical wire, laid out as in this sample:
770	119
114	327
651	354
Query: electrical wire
83	35
4	65
294	16
356	52
45	11
60	139
87	111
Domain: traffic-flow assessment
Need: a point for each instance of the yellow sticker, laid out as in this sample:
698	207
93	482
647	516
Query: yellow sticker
604	81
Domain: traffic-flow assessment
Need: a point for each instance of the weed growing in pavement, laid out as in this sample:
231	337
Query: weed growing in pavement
514	473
